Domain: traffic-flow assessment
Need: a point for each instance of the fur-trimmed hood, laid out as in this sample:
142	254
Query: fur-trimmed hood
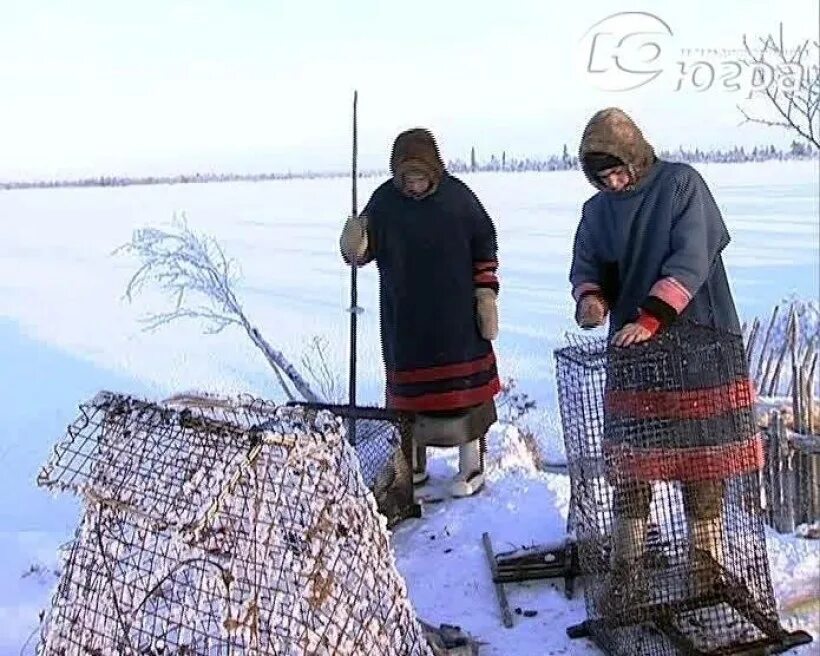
416	150
613	132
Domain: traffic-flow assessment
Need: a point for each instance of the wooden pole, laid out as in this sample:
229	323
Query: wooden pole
775	462
506	616
765	344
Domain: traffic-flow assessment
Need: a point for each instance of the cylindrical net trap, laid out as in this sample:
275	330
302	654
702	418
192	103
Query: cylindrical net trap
664	458
382	441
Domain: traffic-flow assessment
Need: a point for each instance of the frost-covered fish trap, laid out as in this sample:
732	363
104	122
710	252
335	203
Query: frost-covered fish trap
222	529
383	442
663	435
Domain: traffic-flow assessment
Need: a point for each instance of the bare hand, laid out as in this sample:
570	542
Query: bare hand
590	312
631	333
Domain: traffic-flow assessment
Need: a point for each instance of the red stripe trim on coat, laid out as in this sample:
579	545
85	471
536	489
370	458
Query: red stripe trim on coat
487	265
688	404
445	400
441	372
671	292
689	464
485	277
583	288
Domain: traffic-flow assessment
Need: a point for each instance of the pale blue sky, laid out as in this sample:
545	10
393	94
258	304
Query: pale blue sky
162	86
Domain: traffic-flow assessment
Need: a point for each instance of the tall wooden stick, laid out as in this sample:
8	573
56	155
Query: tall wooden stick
793	337
751	339
766	342
764	379
773	385
810	372
803	390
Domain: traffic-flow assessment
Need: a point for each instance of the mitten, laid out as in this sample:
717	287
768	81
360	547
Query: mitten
590	311
353	241
487	313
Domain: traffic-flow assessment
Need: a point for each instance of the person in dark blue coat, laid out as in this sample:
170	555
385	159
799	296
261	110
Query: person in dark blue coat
436	251
647	252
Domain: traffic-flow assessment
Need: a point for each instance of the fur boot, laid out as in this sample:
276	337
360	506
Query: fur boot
470	477
625	585
707	561
420	475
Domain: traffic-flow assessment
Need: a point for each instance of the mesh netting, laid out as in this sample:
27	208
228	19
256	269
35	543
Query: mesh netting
222	530
664	459
383	442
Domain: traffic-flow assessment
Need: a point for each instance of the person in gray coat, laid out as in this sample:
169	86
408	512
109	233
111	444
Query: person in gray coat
647	252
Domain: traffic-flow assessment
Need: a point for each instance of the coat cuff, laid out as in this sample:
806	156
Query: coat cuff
485	275
671	292
659	310
587	289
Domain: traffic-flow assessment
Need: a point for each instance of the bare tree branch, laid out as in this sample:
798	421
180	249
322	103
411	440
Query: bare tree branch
218	322
198	278
795	108
314	362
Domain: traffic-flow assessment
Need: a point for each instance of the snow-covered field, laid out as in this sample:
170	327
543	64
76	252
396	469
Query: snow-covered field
65	333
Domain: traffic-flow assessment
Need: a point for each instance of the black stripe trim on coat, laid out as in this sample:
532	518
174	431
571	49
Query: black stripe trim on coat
661	310
623	376
717	431
409	390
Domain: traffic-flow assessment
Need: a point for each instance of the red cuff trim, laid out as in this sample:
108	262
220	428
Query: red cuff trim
648	321
486	277
671	292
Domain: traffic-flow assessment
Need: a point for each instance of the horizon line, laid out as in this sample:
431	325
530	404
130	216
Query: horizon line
563	162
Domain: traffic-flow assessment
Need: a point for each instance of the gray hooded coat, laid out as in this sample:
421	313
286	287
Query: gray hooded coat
656	246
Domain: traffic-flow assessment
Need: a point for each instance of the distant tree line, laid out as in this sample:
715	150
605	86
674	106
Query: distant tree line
562	162
565	161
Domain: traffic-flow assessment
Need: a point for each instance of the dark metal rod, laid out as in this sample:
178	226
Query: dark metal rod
354	301
376	414
354	297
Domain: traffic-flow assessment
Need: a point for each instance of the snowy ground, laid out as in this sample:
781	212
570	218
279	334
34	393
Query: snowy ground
65	333
443	560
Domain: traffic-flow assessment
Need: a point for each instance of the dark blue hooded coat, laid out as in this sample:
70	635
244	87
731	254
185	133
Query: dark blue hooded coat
432	253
